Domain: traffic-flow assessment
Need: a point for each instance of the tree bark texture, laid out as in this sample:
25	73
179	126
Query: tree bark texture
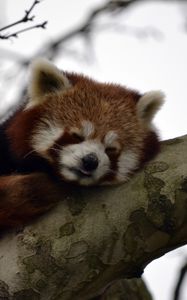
95	236
126	289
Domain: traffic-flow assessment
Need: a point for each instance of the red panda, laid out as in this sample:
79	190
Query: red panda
79	130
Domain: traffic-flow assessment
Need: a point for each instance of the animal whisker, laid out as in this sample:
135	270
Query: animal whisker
57	150
29	153
58	145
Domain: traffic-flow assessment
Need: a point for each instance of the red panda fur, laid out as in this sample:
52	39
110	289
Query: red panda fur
24	197
29	182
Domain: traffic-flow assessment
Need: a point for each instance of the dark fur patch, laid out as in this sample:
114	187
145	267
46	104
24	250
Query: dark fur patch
150	149
67	139
23	197
7	165
19	131
15	148
111	175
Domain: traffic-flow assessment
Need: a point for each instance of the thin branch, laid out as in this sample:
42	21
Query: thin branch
84	30
15	34
51	49
87	27
26	18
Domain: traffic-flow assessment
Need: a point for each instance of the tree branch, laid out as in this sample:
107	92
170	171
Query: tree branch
16	33
126	289
87	27
98	235
26	18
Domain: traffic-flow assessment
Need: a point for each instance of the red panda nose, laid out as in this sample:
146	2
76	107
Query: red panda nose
90	162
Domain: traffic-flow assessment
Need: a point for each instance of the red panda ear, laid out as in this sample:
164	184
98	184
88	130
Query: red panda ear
45	79
149	104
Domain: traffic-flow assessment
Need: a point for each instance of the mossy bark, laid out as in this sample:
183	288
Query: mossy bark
97	235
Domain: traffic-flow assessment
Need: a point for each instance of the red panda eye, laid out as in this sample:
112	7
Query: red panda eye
111	150
77	137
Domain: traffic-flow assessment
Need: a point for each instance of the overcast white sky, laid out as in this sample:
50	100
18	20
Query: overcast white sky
121	56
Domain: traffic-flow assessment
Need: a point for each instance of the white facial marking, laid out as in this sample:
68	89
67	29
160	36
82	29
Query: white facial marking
127	162
110	138
45	136
88	128
71	156
76	131
68	174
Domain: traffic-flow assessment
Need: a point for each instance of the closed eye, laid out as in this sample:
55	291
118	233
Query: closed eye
111	150
79	138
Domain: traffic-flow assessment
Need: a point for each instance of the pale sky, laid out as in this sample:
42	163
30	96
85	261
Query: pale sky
123	56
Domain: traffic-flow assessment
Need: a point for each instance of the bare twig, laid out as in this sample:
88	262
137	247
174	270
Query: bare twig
60	44
15	34
84	30
26	18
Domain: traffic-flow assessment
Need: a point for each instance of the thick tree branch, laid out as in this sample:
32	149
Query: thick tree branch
126	289
97	235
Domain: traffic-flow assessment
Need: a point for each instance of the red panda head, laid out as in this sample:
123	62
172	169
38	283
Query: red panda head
90	132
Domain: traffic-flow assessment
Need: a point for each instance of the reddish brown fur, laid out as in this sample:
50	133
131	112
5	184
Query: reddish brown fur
109	107
23	197
20	130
